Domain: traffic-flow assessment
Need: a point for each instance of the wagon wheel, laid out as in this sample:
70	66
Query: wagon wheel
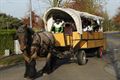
99	52
81	57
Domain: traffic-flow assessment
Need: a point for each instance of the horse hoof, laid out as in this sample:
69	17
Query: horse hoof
44	74
25	75
28	78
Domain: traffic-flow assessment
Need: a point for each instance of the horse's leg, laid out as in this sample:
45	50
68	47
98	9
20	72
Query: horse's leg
27	60
30	63
53	62
32	68
47	67
26	74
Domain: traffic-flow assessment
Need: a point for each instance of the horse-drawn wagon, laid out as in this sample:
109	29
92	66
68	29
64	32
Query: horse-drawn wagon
76	33
67	32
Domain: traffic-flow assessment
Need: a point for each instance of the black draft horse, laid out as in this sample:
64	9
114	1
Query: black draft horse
33	44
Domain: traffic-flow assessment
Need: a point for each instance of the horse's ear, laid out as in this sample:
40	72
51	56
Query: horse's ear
15	36
25	27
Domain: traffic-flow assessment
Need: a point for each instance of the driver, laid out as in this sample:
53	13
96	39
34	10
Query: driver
57	26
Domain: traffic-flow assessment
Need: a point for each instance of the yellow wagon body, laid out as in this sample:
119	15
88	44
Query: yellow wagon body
85	40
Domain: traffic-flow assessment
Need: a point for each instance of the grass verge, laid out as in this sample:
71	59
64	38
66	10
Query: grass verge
11	60
116	35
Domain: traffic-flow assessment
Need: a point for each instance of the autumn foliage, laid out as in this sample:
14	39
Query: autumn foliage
116	20
90	6
37	22
117	17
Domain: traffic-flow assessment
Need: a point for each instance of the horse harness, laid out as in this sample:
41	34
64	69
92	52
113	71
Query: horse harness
41	44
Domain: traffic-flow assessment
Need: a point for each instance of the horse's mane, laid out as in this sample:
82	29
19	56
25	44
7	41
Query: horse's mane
23	29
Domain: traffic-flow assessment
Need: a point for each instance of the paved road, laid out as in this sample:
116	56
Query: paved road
95	69
113	50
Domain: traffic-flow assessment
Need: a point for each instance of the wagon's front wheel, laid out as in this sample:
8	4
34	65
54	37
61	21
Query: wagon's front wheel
81	57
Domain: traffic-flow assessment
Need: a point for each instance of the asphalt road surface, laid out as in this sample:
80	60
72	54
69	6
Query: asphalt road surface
106	68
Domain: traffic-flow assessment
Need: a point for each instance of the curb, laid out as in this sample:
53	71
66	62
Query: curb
11	65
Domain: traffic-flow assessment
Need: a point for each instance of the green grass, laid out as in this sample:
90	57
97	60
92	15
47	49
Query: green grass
116	35
11	60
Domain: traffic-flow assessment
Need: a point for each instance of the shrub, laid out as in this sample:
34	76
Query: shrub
6	40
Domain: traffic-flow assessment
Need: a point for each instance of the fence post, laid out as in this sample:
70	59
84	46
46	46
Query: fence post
17	47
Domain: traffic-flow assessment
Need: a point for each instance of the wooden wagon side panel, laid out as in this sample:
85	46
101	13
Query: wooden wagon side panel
88	40
95	43
92	35
59	39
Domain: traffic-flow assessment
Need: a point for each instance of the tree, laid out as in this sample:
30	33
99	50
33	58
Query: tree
7	21
55	3
116	20
90	6
37	22
106	22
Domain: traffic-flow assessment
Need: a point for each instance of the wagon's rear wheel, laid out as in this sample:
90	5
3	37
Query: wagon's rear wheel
81	57
99	52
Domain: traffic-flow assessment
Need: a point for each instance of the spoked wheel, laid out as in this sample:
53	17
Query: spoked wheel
100	52
81	57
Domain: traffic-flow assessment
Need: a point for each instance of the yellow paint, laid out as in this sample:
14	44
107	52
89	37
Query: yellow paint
76	35
95	43
59	39
83	44
85	35
75	43
89	39
76	38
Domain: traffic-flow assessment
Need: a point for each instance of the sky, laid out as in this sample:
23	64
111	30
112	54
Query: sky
112	7
19	8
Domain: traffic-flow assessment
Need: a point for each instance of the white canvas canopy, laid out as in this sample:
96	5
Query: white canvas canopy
87	15
69	14
72	14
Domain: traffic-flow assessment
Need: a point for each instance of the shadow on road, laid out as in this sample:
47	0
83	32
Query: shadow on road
56	63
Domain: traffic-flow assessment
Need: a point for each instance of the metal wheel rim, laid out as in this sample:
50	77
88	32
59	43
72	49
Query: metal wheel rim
84	57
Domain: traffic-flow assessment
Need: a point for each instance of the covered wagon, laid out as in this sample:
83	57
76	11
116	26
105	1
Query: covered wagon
76	33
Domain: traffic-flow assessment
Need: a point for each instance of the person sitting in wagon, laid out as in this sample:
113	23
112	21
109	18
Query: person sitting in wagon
96	26
87	25
57	26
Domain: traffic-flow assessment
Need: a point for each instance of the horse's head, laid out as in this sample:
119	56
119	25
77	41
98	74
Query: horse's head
24	35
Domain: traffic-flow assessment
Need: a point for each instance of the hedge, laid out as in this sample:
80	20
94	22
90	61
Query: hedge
6	40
